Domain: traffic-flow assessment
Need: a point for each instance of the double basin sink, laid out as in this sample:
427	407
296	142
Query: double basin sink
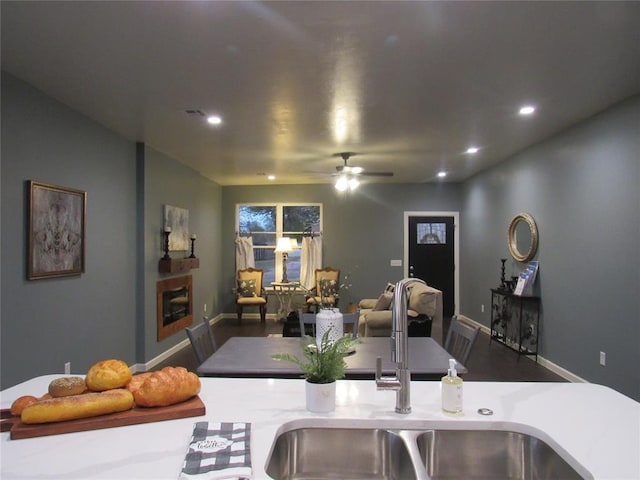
380	450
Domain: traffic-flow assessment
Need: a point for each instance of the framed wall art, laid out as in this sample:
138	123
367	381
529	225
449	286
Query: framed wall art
56	224
177	220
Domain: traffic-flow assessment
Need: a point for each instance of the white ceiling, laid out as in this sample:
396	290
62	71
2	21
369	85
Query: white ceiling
407	85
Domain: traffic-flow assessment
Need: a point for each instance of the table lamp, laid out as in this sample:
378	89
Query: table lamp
284	246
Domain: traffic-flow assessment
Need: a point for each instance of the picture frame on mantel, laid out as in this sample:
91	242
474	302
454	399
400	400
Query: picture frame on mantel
56	231
177	219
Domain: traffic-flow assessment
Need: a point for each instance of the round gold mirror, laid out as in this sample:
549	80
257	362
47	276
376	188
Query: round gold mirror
523	237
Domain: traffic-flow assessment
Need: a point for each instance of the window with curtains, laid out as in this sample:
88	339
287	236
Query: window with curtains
268	222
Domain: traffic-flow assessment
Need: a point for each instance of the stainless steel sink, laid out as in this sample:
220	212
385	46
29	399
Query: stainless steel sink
490	454
333	450
339	453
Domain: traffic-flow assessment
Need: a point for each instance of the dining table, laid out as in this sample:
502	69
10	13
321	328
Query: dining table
251	357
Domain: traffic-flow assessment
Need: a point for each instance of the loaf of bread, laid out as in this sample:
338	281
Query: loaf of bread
65	386
78	406
20	403
166	387
137	381
108	374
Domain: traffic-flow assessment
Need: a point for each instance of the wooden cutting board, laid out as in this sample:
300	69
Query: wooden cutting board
191	408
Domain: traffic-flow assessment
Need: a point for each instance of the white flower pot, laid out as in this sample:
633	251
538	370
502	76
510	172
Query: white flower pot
329	318
321	397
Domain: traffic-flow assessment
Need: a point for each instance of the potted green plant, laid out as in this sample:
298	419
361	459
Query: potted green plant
321	367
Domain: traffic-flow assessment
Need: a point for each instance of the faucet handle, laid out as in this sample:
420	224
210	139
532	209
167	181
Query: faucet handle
378	369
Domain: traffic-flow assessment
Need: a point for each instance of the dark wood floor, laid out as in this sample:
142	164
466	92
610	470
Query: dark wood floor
489	361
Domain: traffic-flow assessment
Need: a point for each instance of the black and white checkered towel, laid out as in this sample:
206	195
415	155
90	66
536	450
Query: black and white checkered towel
218	451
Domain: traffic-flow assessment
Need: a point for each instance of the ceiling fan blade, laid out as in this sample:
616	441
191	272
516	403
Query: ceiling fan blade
376	174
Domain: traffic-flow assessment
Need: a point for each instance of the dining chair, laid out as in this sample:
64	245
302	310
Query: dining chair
250	292
308	319
461	337
202	341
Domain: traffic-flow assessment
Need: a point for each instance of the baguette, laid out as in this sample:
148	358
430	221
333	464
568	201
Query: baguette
166	387
78	406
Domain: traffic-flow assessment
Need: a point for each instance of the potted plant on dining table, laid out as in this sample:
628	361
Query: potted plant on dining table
322	364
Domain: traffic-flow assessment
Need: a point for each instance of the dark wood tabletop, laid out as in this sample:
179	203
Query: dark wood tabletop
251	357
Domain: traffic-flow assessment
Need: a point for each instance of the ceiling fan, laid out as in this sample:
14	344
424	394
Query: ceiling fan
348	175
349	170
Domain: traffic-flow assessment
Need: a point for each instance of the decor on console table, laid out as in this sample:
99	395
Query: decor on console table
284	246
321	367
503	283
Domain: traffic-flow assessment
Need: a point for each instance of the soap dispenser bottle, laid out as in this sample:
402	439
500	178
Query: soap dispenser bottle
452	390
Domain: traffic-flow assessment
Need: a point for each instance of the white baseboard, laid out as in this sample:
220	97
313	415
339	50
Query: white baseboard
144	367
549	365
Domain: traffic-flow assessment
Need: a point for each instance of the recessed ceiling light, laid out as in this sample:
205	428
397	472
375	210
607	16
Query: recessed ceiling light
271	177
472	150
214	120
442	174
527	110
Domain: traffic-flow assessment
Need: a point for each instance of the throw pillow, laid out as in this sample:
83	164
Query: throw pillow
328	288
384	301
247	288
389	288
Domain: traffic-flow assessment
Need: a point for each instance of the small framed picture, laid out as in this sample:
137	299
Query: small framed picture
56	233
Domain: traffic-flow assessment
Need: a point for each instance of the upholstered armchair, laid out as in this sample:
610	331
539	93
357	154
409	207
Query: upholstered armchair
250	292
424	310
325	292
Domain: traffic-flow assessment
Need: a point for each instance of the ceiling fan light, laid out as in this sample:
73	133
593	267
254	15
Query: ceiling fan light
356	170
353	183
342	184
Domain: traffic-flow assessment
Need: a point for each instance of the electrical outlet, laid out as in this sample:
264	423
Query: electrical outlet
67	368
482	308
603	359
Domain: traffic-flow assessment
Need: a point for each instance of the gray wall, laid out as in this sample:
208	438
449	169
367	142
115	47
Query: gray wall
170	182
582	188
109	311
46	323
362	232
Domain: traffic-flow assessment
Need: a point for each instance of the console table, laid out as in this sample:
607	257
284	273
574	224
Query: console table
515	321
285	292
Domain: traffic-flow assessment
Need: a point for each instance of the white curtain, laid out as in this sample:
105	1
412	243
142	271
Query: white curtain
244	253
311	259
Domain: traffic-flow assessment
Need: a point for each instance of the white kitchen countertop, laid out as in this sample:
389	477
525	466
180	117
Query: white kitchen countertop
596	426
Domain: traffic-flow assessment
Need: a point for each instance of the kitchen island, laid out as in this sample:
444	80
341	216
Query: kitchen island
596	428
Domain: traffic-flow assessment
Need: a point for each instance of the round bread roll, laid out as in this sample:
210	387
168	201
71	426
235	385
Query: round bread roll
66	386
21	403
107	375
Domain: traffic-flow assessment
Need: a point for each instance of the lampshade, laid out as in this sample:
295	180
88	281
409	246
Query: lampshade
284	245
294	244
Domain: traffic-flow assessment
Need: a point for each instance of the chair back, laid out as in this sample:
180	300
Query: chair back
202	341
310	319
461	337
255	274
327	273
